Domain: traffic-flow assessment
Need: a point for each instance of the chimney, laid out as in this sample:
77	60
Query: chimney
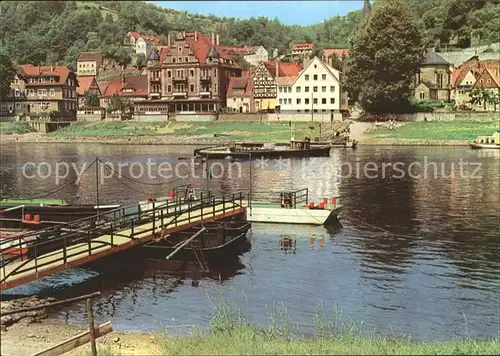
168	40
213	38
195	36
277	69
217	39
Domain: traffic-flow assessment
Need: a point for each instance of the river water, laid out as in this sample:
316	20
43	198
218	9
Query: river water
414	255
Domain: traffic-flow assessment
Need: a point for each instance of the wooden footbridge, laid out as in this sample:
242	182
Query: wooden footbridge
66	246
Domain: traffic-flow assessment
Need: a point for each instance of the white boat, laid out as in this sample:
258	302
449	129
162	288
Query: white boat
294	209
491	142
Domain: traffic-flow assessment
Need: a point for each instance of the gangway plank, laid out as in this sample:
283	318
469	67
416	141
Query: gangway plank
21	272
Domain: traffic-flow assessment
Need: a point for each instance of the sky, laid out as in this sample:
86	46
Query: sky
288	12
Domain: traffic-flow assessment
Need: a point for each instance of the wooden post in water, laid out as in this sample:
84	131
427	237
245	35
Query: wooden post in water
90	315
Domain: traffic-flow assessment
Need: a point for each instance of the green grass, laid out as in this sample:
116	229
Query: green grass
438	130
230	130
231	334
14	128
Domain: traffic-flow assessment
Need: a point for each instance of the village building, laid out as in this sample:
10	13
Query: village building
328	53
462	81
433	80
48	89
252	54
87	85
190	76
316	89
239	95
302	50
488	80
89	63
131	87
265	85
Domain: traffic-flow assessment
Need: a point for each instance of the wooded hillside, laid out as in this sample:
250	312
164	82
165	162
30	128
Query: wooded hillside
50	32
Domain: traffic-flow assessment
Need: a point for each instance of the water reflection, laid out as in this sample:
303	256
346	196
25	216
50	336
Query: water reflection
413	256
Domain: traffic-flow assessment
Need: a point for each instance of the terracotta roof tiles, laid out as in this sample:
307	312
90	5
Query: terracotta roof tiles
61	73
139	83
238	83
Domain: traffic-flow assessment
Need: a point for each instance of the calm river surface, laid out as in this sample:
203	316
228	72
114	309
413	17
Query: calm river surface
413	256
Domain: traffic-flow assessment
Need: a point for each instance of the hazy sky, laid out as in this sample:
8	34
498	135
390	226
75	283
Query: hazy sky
288	12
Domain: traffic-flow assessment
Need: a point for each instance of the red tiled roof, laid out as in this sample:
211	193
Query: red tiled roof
137	82
90	56
84	84
302	46
200	45
286	69
233	49
152	39
102	87
327	52
478	66
240	83
163	53
29	70
458	75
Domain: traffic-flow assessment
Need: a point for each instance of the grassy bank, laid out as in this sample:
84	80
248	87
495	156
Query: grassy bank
436	131
203	130
14	128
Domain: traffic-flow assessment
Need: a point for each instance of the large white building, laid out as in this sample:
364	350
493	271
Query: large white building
316	89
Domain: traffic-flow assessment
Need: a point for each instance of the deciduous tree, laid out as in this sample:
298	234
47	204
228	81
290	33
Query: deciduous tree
7	74
384	58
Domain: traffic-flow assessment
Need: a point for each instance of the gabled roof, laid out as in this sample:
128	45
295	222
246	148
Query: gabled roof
200	46
90	56
236	84
331	70
286	69
152	39
432	58
458	75
285	81
85	83
487	73
61	73
153	55
139	83
163	53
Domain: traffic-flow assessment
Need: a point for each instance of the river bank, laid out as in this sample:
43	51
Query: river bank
213	133
24	338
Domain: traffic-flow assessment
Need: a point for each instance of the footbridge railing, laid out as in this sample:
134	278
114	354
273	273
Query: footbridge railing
83	237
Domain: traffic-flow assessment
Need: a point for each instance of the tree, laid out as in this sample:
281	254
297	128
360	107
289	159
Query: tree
90	99
482	96
7	74
117	103
338	61
379	72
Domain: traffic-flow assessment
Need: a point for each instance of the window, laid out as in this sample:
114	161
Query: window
306	89
315	77
422	95
18	105
323	101
297	89
215	88
323	89
169	74
16	80
52	92
298	100
31	92
191	88
52	80
191	73
315	110
332	89
306	101
169	88
281	89
179	49
315	89
481	81
306	77
281	101
186	59
289	100
489	81
215	72
332	100
173	59
323	76
18	93
234	99
315	100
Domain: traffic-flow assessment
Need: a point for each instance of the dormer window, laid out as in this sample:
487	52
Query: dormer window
179	49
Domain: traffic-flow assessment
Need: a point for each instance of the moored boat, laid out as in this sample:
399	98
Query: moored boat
239	150
294	208
488	142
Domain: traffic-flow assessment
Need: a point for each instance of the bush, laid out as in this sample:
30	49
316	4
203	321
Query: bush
428	105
